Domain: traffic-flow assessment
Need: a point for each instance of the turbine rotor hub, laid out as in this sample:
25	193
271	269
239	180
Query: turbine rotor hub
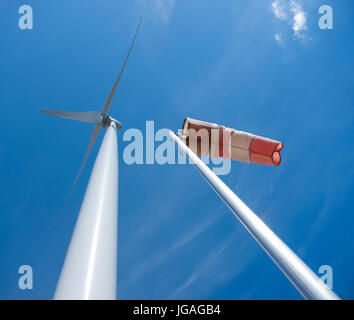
107	120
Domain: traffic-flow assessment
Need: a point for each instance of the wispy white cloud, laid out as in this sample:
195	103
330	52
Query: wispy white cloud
278	37
293	13
139	270
161	9
279	10
206	269
223	263
299	19
153	217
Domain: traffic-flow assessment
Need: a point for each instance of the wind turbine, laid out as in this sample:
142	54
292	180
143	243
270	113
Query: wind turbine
90	266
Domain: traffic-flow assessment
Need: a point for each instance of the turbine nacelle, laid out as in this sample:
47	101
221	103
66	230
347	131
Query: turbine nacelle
107	121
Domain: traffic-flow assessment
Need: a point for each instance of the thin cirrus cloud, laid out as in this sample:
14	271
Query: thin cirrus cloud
299	19
279	10
279	38
292	13
160	9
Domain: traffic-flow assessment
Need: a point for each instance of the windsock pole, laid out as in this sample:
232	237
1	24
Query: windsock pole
297	272
90	266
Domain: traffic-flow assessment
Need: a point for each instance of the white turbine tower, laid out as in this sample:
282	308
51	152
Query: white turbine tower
90	266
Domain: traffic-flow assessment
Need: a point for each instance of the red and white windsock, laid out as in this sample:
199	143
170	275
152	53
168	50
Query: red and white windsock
210	139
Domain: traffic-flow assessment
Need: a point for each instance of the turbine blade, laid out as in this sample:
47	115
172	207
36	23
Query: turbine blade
88	150
113	91
90	116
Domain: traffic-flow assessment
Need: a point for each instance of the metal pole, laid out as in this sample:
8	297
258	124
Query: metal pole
90	267
299	274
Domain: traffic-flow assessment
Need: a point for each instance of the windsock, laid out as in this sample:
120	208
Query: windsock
211	139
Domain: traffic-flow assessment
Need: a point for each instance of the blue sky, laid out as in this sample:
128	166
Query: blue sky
237	63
